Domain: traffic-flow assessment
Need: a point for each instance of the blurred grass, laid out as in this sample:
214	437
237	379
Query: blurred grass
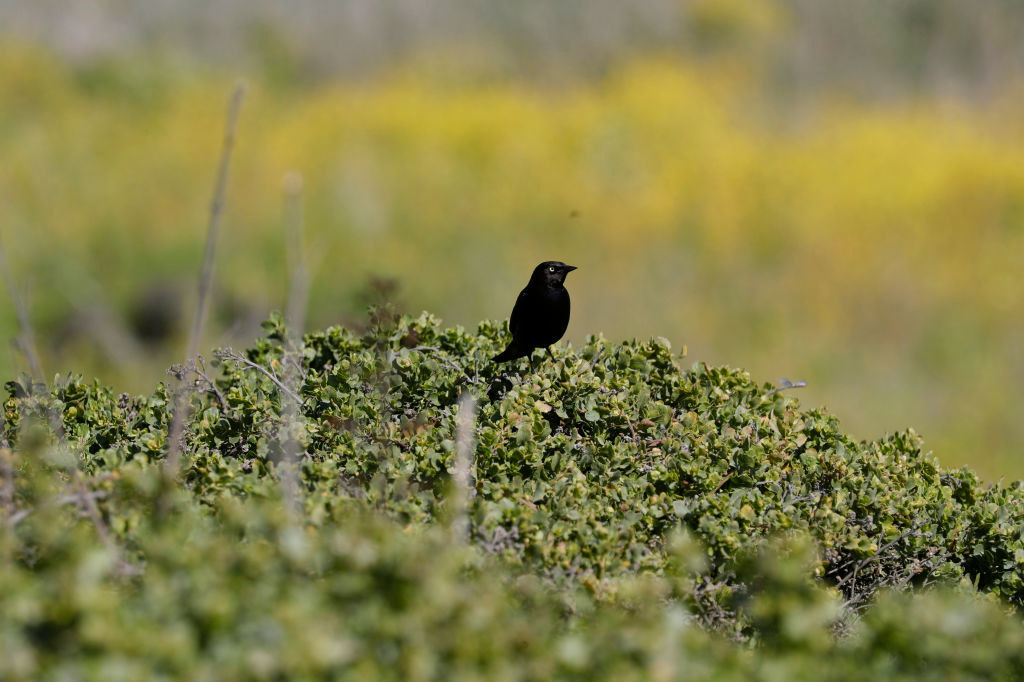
873	250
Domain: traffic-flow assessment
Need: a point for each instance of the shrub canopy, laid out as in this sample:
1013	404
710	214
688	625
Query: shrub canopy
624	517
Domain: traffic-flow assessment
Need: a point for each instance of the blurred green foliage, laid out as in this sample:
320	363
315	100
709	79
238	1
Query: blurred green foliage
627	519
873	250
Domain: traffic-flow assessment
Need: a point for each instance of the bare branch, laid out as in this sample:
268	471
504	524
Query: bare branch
229	354
26	342
465	422
197	366
172	462
26	336
295	314
216	214
6	477
785	384
298	289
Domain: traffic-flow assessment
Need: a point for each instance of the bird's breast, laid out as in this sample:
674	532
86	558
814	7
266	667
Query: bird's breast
554	316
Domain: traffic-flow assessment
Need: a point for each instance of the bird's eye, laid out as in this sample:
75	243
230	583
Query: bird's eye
551	269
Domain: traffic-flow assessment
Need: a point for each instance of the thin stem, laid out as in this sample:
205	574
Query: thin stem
216	215
465	423
295	313
6	479
785	384
229	354
26	335
27	344
181	406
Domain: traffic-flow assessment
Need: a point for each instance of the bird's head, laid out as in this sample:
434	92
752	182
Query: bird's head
551	272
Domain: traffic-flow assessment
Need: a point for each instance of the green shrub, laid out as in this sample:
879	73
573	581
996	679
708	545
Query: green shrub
626	518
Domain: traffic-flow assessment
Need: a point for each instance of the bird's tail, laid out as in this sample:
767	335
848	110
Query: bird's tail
511	353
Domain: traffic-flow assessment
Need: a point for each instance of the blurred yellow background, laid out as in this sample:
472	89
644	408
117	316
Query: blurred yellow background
737	179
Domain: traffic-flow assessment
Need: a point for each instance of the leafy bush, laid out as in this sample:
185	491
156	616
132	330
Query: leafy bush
625	518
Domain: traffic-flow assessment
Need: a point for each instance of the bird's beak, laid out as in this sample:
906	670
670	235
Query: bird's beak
570	268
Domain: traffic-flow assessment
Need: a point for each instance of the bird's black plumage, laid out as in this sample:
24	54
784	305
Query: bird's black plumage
541	313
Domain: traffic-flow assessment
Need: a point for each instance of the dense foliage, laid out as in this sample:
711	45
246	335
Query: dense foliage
624	518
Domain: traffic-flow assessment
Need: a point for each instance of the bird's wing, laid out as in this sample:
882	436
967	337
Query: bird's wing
517	312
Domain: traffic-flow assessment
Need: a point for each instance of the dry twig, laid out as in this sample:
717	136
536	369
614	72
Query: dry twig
785	384
26	336
230	354
295	314
465	422
172	462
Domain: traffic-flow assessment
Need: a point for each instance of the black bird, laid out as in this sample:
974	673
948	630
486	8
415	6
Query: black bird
541	312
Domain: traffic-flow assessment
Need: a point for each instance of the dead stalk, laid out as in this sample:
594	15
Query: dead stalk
295	314
229	354
6	479
26	336
26	342
786	384
180	405
216	215
462	478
